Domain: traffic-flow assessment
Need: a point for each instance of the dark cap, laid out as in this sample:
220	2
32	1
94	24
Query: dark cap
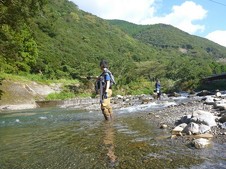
103	63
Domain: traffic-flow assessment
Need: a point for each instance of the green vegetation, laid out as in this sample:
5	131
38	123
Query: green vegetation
60	96
171	39
64	95
18	50
52	40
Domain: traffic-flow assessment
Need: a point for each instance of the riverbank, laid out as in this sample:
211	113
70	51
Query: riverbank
90	104
170	115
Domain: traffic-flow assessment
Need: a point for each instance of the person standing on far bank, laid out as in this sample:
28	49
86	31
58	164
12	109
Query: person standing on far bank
158	89
105	91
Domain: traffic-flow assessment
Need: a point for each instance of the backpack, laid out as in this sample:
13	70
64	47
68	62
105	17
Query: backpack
112	78
100	80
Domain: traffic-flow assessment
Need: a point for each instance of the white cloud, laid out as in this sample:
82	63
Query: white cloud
182	17
218	37
143	12
129	10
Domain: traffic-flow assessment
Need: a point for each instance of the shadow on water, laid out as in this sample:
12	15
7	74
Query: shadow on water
60	138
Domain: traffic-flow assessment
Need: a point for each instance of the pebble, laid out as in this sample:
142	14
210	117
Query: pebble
163	126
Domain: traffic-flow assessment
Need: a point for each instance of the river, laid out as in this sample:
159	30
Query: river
57	138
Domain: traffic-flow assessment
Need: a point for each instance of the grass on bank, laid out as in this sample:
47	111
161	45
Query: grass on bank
64	95
36	78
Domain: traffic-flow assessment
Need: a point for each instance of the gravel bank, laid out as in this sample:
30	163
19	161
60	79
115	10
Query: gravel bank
171	115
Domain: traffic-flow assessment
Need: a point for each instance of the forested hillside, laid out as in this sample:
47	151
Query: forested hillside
55	39
74	42
168	37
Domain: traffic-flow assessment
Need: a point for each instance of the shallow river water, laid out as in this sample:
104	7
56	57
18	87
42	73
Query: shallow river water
54	138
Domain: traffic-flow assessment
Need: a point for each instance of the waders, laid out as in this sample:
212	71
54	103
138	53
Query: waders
105	111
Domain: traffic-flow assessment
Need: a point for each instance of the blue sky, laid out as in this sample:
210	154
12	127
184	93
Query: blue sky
204	18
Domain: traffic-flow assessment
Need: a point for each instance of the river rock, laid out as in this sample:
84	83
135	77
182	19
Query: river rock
221	104
119	97
191	128
218	94
183	125
204	93
222	112
204	128
201	143
185	119
174	94
145	101
209	100
223	126
203	117
177	130
223	119
163	126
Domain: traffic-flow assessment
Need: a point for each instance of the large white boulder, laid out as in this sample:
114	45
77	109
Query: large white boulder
203	117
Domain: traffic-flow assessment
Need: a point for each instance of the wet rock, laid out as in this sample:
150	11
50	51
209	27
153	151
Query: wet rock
201	143
209	100
177	130
222	112
223	126
191	128
174	94
183	125
204	93
220	104
185	119
223	118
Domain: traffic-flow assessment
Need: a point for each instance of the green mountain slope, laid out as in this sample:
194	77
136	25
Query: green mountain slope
74	41
169	37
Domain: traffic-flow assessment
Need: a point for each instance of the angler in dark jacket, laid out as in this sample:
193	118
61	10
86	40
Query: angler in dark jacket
104	81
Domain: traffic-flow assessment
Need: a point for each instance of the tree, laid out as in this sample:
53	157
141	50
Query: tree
17	44
15	12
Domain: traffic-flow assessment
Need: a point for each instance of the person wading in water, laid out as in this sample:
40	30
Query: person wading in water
104	83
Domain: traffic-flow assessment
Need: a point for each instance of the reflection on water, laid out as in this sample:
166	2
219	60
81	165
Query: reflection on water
109	141
60	138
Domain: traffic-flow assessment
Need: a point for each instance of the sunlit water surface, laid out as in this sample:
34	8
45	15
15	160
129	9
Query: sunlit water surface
62	139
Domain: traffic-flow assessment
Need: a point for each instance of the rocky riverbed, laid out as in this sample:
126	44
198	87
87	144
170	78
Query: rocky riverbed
171	113
168	118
